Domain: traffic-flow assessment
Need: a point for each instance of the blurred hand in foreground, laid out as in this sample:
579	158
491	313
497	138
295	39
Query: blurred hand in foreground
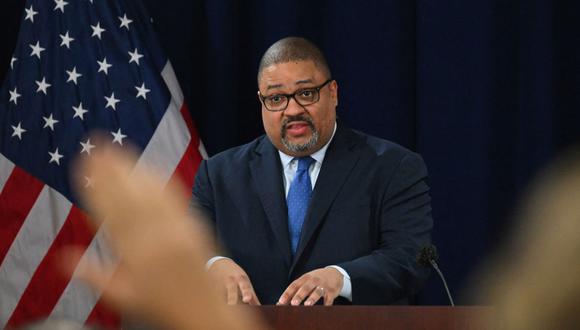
534	282
162	248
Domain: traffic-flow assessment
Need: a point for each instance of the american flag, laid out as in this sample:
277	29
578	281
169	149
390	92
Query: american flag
79	65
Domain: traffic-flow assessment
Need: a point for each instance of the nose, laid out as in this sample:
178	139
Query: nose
293	108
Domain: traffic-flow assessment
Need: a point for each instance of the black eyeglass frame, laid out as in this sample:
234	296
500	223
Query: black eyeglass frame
288	96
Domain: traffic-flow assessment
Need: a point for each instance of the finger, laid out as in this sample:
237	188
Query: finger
255	301
115	175
316	294
116	290
109	280
90	270
247	291
252	300
99	166
144	200
232	293
328	300
69	259
289	292
304	291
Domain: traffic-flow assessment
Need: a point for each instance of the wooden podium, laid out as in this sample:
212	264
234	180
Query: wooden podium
376	317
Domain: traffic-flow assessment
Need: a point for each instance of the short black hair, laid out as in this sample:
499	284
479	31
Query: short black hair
293	49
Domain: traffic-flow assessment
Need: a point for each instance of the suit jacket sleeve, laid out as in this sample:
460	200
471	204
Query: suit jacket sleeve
202	192
203	199
390	273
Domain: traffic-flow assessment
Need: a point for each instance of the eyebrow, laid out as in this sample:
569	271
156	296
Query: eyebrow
299	82
305	81
273	86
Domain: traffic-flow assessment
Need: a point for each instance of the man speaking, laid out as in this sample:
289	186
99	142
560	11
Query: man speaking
314	211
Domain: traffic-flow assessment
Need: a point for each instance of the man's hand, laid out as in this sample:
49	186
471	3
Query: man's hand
323	283
235	281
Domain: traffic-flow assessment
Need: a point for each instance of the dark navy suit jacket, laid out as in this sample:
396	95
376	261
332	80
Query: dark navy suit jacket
370	214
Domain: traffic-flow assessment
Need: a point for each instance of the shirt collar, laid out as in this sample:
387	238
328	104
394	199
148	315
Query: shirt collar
318	156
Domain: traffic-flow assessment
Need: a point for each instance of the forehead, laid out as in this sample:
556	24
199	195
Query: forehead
290	75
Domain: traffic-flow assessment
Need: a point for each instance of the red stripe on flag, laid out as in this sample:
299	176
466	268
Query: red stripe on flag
189	122
48	283
103	317
189	163
17	199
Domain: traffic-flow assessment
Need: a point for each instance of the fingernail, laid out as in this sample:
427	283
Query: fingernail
295	302
308	303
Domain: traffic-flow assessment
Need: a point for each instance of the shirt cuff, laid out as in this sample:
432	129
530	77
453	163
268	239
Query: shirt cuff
212	260
346	290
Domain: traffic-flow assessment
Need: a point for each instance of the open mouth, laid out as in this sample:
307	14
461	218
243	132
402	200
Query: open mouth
297	128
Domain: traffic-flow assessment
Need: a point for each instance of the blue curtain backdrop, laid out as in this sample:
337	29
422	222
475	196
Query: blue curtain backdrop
488	91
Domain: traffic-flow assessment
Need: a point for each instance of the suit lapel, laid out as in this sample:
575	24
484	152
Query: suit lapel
340	158
266	173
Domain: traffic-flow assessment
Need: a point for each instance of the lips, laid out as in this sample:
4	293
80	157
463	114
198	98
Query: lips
297	128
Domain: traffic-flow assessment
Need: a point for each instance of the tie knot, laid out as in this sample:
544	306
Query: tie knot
304	163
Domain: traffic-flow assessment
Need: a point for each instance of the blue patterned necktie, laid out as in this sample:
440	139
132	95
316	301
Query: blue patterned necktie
298	200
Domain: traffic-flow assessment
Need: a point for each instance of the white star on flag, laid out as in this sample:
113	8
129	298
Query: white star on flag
42	86
118	137
55	157
104	66
88	180
97	30
18	130
135	56
125	21
66	40
87	146
14	95
49	122
36	49
142	91
73	75
112	101
79	111
30	14
59	4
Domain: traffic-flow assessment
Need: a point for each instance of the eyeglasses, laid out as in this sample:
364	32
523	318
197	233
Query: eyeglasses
304	96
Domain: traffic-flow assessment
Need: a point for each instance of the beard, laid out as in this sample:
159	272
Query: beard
299	147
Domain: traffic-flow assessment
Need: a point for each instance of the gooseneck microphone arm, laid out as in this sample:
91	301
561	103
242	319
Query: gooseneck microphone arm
428	258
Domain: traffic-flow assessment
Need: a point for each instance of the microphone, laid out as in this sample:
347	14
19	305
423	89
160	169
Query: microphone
428	257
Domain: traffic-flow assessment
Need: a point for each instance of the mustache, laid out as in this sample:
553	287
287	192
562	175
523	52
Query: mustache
288	120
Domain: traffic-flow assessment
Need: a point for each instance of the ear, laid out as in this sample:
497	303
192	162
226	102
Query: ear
259	98
334	92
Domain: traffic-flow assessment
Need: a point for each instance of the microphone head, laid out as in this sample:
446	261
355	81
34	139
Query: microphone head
426	255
